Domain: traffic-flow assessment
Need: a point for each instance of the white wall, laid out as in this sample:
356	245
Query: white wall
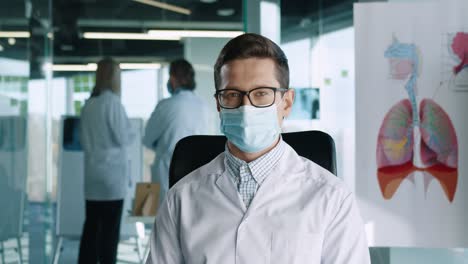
333	71
139	92
6	108
202	53
321	63
11	67
298	53
37	95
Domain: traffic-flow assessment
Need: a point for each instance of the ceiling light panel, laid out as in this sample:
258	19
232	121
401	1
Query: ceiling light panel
129	36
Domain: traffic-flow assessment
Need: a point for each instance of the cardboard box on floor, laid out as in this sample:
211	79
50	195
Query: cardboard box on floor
146	199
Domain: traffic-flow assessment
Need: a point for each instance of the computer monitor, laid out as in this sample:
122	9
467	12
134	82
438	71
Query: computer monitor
71	134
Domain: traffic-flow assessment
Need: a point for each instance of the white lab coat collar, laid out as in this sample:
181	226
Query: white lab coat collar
280	174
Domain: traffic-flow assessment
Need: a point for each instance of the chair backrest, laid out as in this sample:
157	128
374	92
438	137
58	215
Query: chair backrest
193	152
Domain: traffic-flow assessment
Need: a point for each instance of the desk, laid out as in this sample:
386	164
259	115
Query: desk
140	224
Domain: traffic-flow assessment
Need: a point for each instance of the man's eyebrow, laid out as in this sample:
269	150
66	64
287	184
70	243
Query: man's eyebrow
232	87
253	87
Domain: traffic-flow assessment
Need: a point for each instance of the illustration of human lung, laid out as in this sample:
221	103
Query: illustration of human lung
414	141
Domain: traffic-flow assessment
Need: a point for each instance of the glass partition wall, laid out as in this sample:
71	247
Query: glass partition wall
26	218
48	55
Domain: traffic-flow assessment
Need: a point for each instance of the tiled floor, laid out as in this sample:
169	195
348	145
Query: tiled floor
38	242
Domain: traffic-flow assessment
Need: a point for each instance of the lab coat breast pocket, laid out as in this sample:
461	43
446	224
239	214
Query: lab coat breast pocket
296	248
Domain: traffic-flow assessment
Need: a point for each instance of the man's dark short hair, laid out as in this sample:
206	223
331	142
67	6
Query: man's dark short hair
184	73
253	46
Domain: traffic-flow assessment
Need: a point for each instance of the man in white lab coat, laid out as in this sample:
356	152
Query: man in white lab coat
183	114
258	201
105	135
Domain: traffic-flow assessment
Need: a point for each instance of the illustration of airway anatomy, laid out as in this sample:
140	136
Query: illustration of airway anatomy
415	141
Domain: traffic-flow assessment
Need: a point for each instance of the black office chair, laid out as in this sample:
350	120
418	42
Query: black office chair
193	152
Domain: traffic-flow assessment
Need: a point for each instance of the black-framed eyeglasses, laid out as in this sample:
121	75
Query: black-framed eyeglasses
258	97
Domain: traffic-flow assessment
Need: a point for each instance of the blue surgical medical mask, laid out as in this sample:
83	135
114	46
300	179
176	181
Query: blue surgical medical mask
249	128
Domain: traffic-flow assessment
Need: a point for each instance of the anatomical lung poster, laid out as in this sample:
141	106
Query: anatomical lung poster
412	122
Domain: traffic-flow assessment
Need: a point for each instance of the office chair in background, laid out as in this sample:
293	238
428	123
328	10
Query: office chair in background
193	152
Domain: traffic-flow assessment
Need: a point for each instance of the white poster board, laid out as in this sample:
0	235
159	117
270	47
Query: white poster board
411	122
70	191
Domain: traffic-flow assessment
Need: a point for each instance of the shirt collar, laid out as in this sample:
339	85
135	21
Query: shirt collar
259	168
181	89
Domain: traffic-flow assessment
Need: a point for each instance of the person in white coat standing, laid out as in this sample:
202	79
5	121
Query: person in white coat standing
183	114
258	201
105	135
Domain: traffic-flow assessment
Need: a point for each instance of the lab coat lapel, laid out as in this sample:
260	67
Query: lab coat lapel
280	174
268	187
228	188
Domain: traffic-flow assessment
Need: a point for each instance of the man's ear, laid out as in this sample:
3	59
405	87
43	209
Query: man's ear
288	100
